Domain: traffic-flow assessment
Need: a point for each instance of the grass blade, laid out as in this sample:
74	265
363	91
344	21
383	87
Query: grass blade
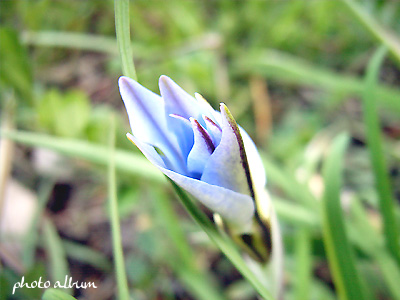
387	38
304	264
122	283
75	40
340	254
287	68
198	282
126	161
122	30
375	146
54	294
55	250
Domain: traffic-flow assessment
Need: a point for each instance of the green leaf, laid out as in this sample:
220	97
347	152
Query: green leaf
340	253
64	114
54	294
15	70
375	146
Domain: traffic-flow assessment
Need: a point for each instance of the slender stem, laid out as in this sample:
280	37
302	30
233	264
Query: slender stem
123	292
122	30
375	146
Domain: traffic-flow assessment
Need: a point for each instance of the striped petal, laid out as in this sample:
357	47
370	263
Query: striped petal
227	166
148	121
202	149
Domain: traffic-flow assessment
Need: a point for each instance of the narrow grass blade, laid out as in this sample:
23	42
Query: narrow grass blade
124	160
122	283
375	146
87	255
290	69
389	39
223	243
57	258
371	242
198	281
303	273
75	40
339	252
122	30
54	294
288	183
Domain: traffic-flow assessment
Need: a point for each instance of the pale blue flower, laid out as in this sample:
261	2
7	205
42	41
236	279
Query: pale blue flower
202	150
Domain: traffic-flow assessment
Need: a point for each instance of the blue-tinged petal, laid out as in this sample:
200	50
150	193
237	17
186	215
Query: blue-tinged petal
237	209
177	101
214	130
184	133
201	151
148	151
227	166
148	120
207	109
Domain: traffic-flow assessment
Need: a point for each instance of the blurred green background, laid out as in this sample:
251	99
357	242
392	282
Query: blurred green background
292	74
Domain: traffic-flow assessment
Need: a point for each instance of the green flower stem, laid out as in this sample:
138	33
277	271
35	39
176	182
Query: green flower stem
375	146
123	292
122	30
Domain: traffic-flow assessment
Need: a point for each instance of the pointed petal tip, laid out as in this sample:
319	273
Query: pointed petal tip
164	79
123	80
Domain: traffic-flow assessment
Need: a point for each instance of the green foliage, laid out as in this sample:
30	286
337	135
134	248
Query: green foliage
65	115
336	207
54	294
15	67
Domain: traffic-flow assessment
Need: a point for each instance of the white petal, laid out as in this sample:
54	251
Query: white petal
226	166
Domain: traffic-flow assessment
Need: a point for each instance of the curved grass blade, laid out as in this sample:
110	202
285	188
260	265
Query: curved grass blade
339	252
375	146
389	39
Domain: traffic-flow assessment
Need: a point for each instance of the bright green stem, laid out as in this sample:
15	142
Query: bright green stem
375	146
387	38
123	292
122	31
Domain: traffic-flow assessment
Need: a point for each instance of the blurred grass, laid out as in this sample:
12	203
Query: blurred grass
311	54
374	140
341	256
118	254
